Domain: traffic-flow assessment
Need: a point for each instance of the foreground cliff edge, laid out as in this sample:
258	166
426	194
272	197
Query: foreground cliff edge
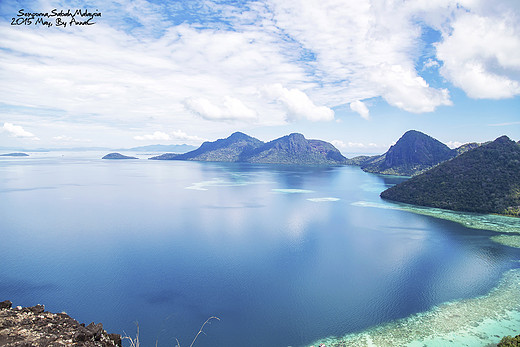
484	180
33	326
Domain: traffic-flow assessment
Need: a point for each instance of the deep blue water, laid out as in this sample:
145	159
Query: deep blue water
168	244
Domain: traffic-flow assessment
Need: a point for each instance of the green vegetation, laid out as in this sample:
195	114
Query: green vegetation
117	156
485	180
509	341
412	154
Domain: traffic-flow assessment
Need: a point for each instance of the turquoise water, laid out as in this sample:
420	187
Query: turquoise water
284	256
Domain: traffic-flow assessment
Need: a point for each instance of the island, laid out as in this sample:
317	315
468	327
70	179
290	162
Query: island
117	156
293	149
14	155
414	153
485	179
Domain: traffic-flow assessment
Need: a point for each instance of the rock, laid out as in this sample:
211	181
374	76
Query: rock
33	326
5	304
35	309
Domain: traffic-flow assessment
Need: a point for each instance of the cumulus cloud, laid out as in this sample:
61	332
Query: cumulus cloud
403	88
480	53
354	145
360	107
175	135
297	104
230	109
430	63
18	131
157	135
182	136
454	144
363	49
311	55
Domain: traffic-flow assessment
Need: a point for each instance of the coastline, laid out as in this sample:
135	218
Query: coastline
491	222
470	322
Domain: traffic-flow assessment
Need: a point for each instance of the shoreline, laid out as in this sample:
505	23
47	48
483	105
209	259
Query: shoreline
490	222
469	322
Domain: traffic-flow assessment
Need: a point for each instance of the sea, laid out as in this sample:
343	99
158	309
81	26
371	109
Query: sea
267	255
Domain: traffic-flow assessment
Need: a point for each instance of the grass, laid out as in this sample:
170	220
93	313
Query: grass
134	342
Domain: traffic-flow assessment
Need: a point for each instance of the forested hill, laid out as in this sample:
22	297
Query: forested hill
485	179
413	153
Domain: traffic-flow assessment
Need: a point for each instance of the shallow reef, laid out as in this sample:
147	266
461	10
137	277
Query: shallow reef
508	240
471	322
491	222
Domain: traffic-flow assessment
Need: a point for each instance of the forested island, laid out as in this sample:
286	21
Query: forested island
485	179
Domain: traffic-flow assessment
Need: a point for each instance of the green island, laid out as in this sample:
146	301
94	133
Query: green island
485	179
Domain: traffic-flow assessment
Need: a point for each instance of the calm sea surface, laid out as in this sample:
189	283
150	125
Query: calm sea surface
282	255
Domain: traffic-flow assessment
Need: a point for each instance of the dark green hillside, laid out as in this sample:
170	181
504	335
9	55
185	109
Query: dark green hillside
466	147
413	153
485	179
117	156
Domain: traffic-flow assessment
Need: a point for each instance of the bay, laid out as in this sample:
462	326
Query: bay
282	255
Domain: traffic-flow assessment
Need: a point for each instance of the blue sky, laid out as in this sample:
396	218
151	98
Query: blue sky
355	73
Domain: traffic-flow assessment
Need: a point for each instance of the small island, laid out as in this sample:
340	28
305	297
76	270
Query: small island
14	155
117	156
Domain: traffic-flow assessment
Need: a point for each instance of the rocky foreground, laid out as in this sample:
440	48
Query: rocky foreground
33	326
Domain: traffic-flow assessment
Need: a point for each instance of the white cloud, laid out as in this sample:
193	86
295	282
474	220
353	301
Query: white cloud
175	136
157	135
454	144
18	131
363	49
297	104
430	63
230	109
354	145
360	107
182	136
480	53
62	138
211	71
403	88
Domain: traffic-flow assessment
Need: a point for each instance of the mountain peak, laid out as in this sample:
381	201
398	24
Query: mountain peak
414	152
484	179
289	149
238	135
503	139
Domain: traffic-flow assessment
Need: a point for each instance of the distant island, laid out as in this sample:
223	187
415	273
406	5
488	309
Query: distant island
14	155
293	149
485	179
414	153
117	156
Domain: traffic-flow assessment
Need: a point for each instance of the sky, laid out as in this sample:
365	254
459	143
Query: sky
356	73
